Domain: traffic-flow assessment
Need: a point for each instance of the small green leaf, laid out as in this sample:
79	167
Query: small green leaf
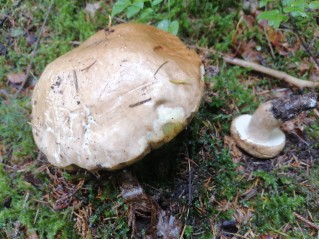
295	11
120	6
173	27
287	2
274	17
314	5
139	3
268	15
298	14
146	14
164	24
132	10
156	2
263	3
15	32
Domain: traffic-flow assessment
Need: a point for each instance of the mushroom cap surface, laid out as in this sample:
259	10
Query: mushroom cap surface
107	103
256	147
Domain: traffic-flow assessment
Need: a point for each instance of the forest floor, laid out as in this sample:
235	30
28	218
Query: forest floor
211	187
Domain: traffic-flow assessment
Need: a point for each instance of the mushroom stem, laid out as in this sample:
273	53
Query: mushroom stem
271	114
263	122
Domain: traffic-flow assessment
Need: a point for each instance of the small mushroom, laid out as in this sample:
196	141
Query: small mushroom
259	134
126	90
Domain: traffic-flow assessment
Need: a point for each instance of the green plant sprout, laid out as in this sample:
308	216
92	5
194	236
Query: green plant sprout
146	9
281	10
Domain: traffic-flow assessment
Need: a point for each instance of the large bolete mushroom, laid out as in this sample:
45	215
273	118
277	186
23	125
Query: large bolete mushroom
107	103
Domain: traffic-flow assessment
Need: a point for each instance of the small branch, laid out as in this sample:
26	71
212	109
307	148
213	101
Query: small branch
301	218
274	73
190	180
33	53
262	69
269	44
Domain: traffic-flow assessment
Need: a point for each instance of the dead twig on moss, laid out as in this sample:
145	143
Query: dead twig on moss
33	53
309	223
262	69
271	72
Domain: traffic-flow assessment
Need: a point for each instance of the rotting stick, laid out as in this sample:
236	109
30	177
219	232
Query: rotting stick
33	53
271	72
262	69
301	218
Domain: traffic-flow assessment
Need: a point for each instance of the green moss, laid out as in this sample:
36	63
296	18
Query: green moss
19	206
15	128
272	211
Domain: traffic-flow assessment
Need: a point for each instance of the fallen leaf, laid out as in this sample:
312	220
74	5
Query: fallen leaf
144	213
265	237
230	143
15	32
275	36
32	235
16	78
91	8
168	226
248	51
82	221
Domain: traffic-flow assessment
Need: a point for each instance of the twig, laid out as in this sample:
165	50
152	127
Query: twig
301	218
236	235
274	73
262	69
140	103
269	44
75	81
185	225
316	112
160	68
88	67
33	53
190	191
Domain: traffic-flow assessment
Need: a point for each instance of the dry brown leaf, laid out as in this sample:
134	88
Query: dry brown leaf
243	215
275	36
265	237
145	214
230	143
314	75
248	51
277	39
32	235
16	78
91	8
2	152
82	221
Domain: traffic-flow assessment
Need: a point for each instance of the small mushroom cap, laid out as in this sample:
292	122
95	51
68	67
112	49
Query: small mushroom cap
107	103
256	147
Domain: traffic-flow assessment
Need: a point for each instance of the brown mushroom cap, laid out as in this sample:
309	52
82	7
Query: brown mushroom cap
107	103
